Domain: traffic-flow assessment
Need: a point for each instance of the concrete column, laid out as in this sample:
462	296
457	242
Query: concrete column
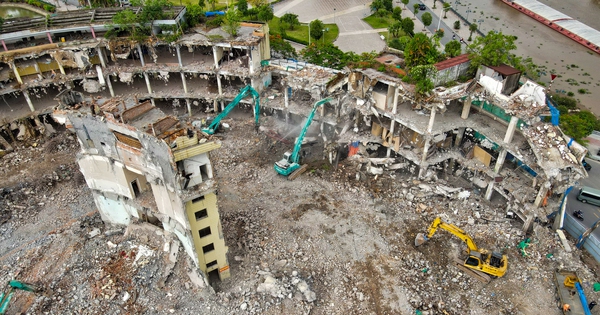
184	83
28	99
423	166
139	48
215	57
490	190
110	87
216	106
459	136
219	85
49	37
466	109
16	72
100	51
394	110
93	32
285	96
189	106
178	49
147	83
500	160
510	132
4	45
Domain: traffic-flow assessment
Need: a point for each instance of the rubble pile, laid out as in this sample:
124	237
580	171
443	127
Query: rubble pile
336	240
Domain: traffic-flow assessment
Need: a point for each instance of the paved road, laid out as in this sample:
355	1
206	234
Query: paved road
591	213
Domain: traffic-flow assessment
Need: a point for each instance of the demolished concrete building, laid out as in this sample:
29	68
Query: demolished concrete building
141	163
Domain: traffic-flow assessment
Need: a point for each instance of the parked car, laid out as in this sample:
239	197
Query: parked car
422	7
586	165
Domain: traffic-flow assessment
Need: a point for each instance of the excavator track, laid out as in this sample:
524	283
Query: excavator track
298	172
473	273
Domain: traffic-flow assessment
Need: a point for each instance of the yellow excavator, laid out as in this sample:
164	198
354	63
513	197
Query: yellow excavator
480	263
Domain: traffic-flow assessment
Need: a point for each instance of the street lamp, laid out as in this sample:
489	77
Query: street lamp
333	15
468	11
480	20
440	17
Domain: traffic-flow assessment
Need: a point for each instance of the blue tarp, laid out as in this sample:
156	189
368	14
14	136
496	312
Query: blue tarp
554	112
213	13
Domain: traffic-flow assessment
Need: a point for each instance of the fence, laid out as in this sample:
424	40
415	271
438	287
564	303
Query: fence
576	229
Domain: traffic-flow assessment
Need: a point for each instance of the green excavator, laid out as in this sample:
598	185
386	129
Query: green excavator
14	285
214	125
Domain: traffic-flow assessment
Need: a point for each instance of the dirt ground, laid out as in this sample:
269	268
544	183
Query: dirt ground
336	240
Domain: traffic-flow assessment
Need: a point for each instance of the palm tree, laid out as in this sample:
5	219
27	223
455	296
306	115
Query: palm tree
472	28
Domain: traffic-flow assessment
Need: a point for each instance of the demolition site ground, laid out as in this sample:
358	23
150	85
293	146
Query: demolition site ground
336	240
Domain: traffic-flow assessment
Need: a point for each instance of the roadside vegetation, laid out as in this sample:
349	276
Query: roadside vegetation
574	122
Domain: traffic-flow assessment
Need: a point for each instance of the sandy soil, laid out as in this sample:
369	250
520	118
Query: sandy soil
577	67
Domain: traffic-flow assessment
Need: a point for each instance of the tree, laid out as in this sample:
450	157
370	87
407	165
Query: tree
492	49
265	13
422	75
457	25
388	5
127	20
376	5
212	4
405	2
242	6
154	10
397	14
472	28
426	18
194	15
316	29
578	125
395	29
381	13
201	3
416	8
232	21
291	20
399	43
434	7
446	8
408	26
327	55
282	47
453	48
420	51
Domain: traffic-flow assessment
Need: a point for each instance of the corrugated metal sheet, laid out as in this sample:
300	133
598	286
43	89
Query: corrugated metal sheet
195	150
581	29
542	9
130	141
184	142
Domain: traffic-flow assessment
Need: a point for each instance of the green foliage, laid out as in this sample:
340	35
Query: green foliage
128	21
265	13
291	20
405	2
154	10
426	18
231	22
242	6
39	4
447	6
327	55
395	29
472	28
201	3
282	47
194	15
422	76
526	66
453	48
382	13
216	21
316	29
415	8
400	43
457	25
492	49
408	26
397	14
420	51
377	5
578	125
212	4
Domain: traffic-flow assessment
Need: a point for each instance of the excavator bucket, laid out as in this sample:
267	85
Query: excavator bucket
420	239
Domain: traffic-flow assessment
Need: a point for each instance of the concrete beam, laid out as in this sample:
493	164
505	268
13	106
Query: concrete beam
139	48
510	132
110	87
16	72
184	82
500	160
100	51
178	49
423	166
148	83
466	109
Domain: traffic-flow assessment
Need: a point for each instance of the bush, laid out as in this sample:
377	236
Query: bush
457	25
216	22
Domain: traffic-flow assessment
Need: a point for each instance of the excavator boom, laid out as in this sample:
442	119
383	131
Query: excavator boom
212	128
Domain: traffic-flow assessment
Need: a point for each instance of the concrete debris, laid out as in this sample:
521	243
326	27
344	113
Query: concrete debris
126	77
91	86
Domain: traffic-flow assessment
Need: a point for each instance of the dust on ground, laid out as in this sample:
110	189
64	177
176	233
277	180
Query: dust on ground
336	240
